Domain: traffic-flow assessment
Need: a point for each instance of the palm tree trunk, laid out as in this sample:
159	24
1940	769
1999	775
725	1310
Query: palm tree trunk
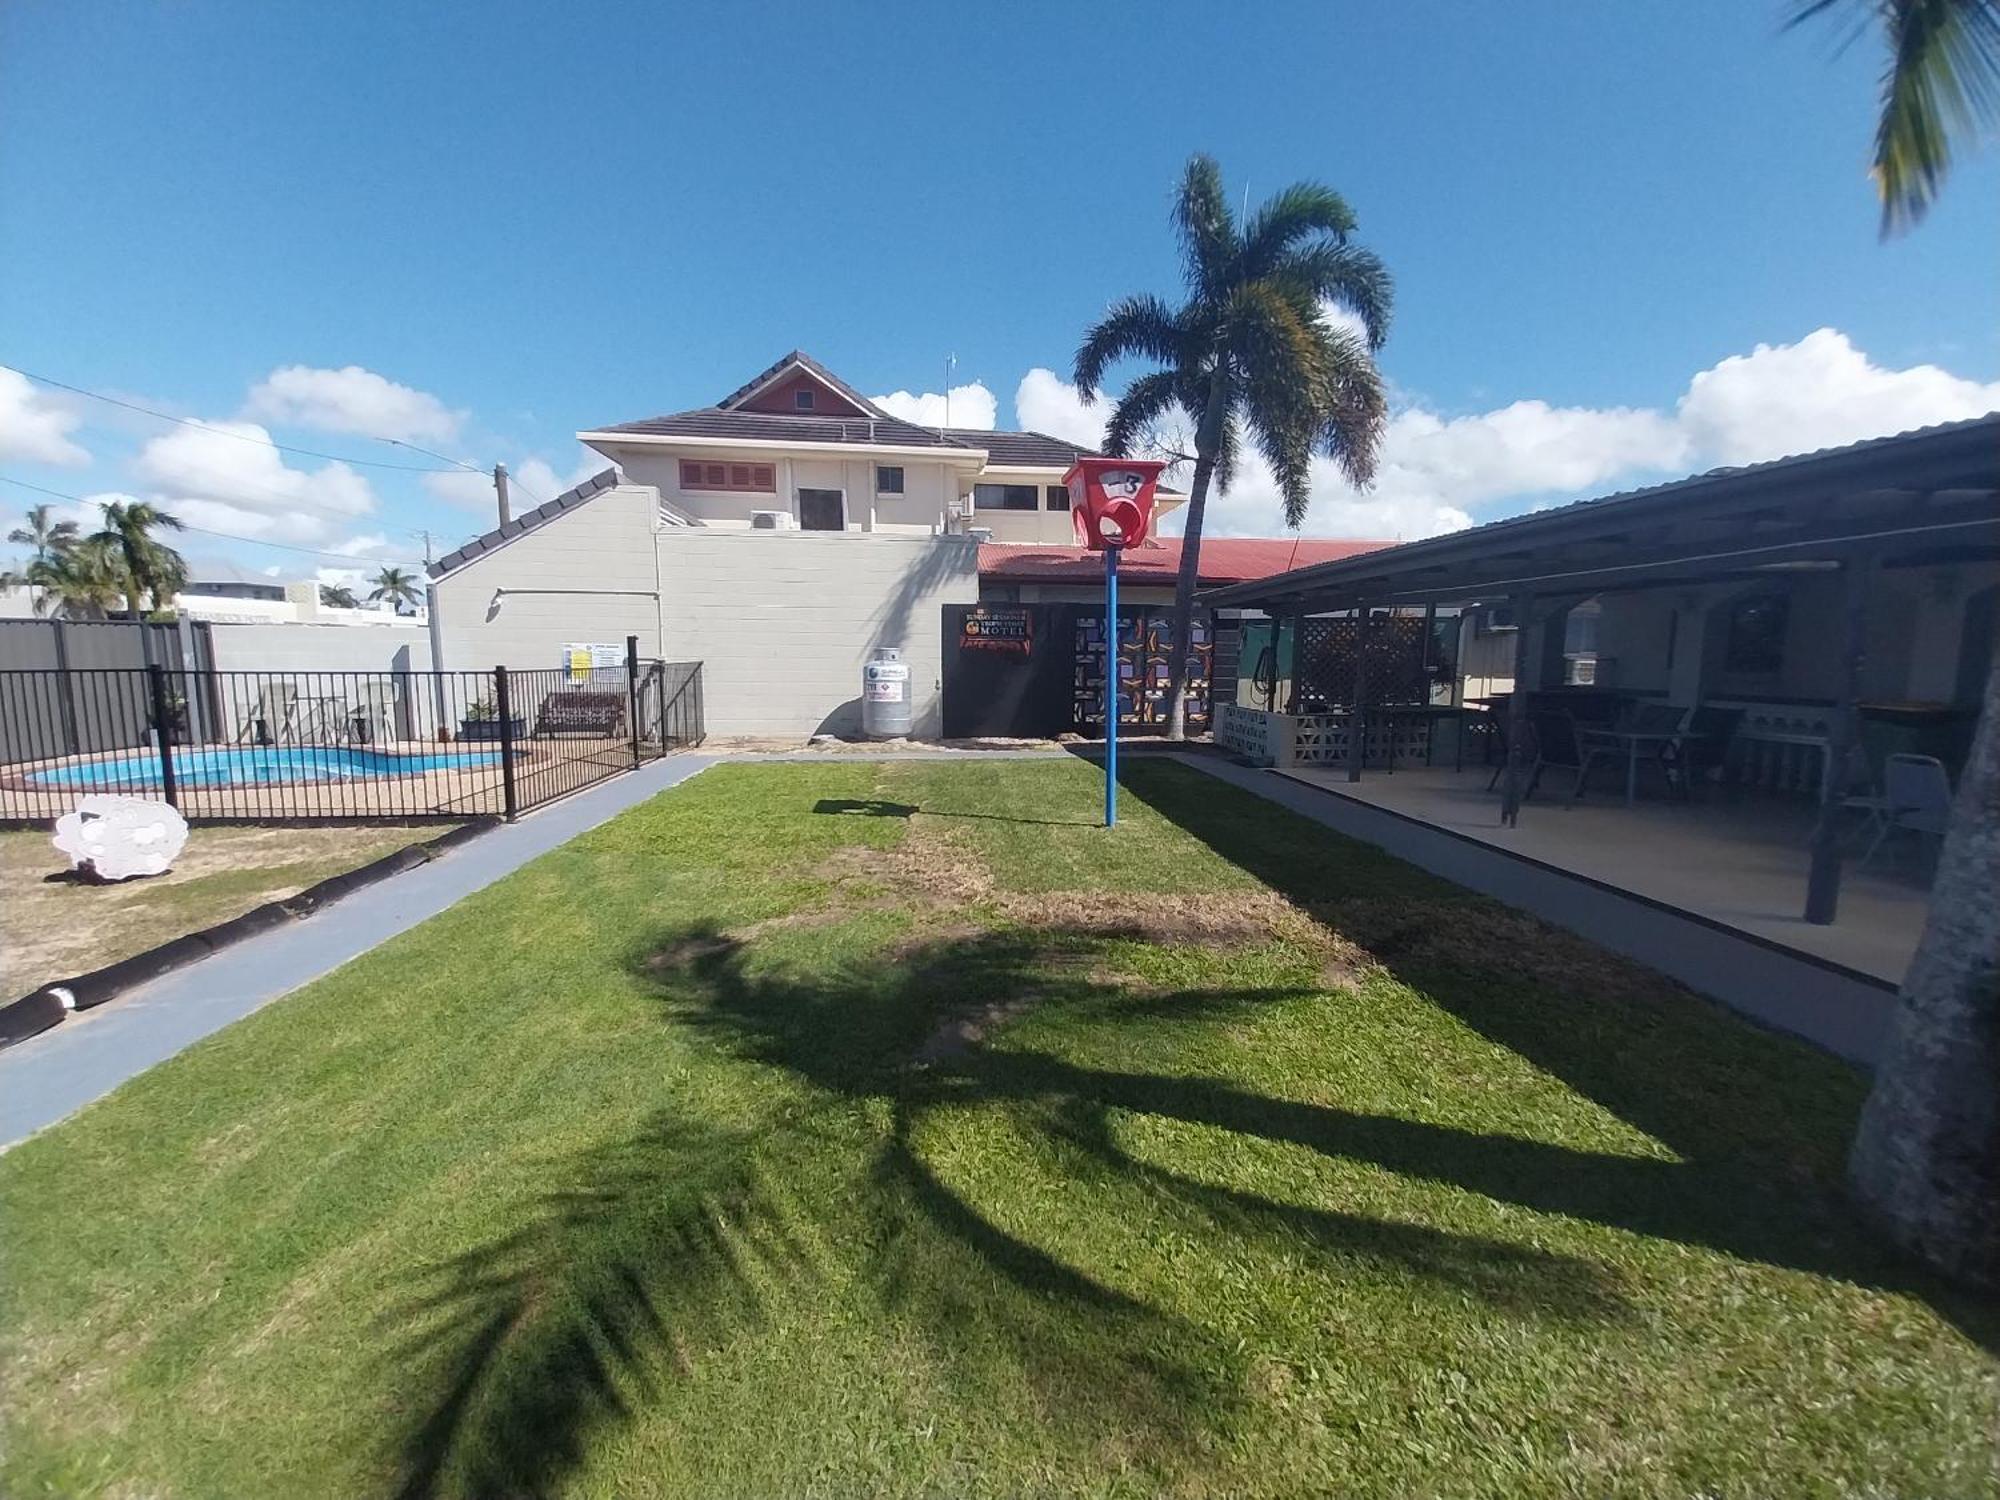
1926	1158
1207	443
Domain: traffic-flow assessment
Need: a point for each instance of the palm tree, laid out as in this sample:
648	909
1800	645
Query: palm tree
87	578
1941	88
397	586
1926	1158
337	596
47	537
154	570
1925	1164
1252	350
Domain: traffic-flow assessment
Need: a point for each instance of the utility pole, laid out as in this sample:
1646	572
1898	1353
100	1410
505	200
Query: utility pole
426	535
500	488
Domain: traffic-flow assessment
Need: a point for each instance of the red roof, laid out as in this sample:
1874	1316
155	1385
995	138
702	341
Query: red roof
1224	559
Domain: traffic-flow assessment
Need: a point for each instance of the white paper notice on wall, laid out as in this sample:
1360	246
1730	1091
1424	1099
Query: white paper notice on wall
582	659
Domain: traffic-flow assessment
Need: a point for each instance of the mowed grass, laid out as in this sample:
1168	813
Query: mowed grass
1264	1165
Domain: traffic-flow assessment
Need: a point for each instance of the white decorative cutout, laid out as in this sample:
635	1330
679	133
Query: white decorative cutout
117	838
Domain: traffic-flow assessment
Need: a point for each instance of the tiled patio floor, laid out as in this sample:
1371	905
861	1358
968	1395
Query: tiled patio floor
1738	860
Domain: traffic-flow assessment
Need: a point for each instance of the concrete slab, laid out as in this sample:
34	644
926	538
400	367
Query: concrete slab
1841	1008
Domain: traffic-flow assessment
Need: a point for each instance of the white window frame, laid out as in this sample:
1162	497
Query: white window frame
902	472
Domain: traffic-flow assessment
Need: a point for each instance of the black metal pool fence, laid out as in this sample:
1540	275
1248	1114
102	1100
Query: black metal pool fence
308	747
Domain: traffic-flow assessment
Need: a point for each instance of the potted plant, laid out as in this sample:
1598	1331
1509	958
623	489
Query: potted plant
482	722
177	717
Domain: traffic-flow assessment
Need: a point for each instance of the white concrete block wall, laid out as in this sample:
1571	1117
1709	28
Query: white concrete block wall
320	648
588	575
783	621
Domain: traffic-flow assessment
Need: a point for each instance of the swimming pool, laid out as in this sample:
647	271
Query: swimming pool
258	765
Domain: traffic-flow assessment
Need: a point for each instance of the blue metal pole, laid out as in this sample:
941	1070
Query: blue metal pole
1110	687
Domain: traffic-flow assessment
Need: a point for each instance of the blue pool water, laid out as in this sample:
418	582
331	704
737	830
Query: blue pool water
260	765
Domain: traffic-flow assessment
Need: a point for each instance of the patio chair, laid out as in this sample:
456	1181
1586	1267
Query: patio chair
1638	717
1549	738
1916	798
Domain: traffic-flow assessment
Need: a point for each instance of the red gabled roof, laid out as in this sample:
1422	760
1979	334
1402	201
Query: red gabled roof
1224	559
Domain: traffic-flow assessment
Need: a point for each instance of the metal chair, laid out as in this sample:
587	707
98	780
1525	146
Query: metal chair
1916	798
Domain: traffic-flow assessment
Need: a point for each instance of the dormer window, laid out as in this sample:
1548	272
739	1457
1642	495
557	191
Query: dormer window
802	400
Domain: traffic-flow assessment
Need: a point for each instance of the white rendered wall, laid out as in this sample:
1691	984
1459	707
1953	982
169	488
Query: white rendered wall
783	621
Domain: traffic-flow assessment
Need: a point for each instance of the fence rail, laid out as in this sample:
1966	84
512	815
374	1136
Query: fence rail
308	747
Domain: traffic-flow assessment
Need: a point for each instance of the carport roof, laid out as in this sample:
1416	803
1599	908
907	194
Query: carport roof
1929	492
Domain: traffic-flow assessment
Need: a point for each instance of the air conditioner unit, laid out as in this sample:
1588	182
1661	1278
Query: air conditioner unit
968	507
772	520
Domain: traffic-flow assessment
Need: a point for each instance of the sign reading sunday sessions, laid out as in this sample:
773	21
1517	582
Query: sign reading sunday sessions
998	627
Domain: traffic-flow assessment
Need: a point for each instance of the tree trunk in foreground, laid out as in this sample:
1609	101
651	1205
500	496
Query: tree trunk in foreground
1207	442
1926	1158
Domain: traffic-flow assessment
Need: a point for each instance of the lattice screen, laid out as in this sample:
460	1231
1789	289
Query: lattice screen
1326	658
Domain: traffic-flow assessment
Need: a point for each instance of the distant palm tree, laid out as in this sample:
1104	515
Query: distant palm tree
155	571
87	578
396	586
45	535
1251	349
337	596
1942	87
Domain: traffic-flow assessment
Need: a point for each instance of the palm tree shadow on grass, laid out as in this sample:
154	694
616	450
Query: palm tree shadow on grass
546	1341
1760	1122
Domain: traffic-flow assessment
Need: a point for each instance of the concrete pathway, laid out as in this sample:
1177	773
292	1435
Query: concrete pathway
53	1075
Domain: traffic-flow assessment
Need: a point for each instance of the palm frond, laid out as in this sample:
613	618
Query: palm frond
1145	401
1355	407
1301	212
1347	277
1942	86
1135	326
1206	228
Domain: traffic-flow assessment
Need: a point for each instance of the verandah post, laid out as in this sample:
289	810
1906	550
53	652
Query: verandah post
504	705
1517	711
1823	875
1357	714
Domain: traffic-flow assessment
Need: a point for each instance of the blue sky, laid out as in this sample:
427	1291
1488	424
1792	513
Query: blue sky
535	218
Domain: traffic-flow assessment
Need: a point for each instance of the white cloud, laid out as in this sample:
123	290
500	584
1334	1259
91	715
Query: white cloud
532	482
34	426
1818	393
971	406
351	399
1045	402
1440	473
212	479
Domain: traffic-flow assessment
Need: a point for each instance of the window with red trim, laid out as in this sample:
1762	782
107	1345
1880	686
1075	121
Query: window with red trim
698	474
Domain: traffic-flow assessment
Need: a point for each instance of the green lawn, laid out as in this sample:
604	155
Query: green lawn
1280	1168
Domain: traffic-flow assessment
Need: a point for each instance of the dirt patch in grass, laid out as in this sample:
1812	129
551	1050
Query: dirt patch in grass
55	929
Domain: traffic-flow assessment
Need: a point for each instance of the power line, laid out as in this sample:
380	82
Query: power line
244	437
227	536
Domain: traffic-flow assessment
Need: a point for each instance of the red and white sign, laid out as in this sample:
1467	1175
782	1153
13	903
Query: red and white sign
1111	500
